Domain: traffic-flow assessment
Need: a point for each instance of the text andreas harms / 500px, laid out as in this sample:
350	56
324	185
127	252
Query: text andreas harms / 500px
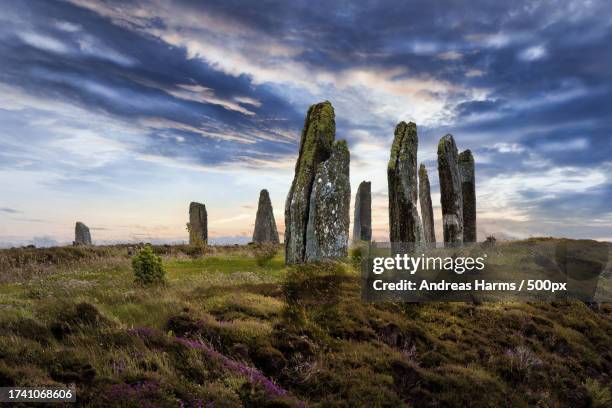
409	264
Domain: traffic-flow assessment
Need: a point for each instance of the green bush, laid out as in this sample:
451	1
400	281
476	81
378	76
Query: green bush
264	252
148	268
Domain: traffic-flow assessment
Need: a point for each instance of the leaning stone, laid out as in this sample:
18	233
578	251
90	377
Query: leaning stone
328	219
198	224
450	190
468	191
265	225
81	234
426	206
315	147
404	222
362	221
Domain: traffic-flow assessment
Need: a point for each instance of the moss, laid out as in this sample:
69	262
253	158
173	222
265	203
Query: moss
405	133
317	139
466	157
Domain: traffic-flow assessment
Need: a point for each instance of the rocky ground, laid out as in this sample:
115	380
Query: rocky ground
225	331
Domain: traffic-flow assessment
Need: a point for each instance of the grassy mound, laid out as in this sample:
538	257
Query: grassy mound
229	331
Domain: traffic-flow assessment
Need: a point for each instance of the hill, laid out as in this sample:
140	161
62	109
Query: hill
225	331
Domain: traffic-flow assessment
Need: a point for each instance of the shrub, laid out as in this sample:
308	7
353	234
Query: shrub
357	254
264	252
148	268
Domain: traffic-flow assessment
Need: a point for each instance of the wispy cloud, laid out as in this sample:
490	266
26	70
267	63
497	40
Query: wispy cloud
121	112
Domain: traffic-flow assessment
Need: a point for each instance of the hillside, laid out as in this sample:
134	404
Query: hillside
227	332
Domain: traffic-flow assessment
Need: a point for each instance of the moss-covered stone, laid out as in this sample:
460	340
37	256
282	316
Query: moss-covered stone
426	206
328	219
318	136
404	222
468	191
450	190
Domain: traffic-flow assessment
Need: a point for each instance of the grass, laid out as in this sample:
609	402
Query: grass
224	330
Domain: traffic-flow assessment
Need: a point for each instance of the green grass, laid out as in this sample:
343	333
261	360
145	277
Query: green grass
305	331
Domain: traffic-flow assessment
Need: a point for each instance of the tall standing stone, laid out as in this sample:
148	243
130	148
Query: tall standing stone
315	147
81	234
404	223
327	230
468	190
450	190
426	206
362	222
265	225
198	224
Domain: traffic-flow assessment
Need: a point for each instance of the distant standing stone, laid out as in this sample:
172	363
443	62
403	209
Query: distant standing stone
328	220
316	142
265	225
450	190
198	224
81	234
426	206
362	220
468	189
404	222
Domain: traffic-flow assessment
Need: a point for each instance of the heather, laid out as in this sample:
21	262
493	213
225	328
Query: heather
227	330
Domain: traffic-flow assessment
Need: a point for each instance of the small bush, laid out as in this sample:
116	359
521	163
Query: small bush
357	254
148	268
264	252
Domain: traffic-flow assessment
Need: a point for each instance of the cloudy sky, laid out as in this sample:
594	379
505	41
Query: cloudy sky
120	114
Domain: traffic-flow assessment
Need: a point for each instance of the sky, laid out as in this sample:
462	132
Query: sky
118	114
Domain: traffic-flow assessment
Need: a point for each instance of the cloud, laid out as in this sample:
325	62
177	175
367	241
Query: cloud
9	210
109	102
533	53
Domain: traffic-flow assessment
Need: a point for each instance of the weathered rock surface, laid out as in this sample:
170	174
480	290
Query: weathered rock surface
327	230
81	234
198	224
362	220
265	225
404	222
468	190
450	190
426	206
315	147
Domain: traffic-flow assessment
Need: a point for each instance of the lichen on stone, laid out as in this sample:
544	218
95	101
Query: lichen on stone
404	222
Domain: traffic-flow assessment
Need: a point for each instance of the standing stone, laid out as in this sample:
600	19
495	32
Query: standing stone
315	147
362	223
327	230
426	206
468	189
450	190
265	225
81	234
404	222
198	224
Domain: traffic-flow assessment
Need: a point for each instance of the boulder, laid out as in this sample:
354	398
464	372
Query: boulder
81	234
327	230
404	222
451	197
426	206
316	143
198	224
265	225
362	220
468	191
